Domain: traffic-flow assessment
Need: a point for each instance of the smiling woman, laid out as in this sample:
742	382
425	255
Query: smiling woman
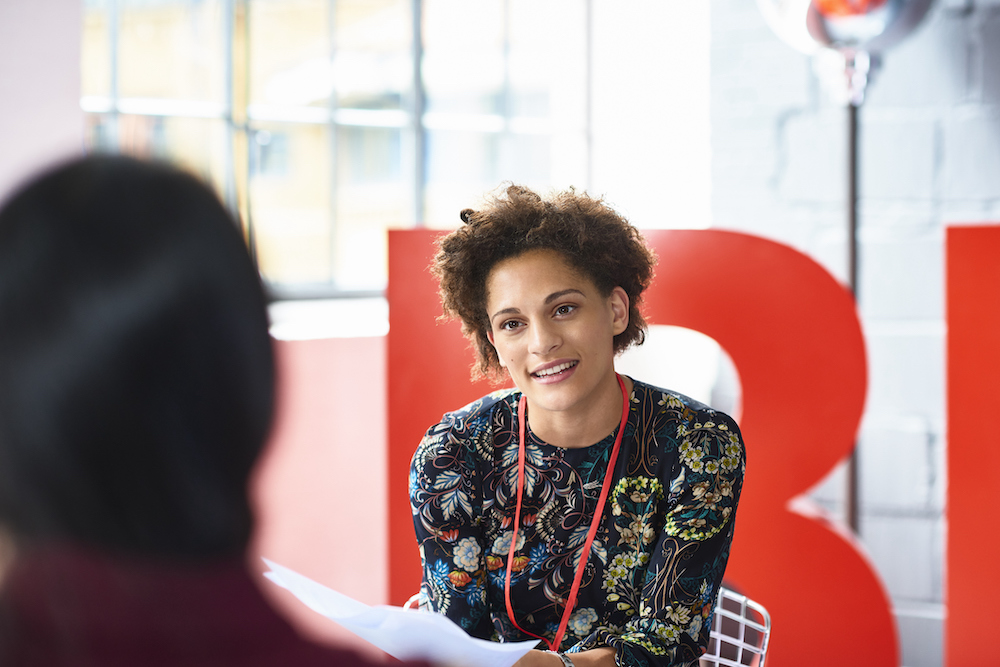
583	508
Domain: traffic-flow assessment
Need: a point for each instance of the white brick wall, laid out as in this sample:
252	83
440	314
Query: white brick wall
929	146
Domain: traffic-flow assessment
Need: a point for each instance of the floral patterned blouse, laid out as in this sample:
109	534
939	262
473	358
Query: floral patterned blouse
657	561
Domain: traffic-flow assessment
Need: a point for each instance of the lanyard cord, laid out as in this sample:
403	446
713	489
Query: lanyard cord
594	523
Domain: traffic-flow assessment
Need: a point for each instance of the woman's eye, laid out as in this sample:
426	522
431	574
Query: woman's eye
565	309
510	325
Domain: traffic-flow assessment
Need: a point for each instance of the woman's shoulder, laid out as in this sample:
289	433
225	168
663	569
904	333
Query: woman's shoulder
456	446
470	421
673	405
707	443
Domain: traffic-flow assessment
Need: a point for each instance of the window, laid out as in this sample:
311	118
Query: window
323	123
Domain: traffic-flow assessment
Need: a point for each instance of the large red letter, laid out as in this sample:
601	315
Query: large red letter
428	366
793	333
972	580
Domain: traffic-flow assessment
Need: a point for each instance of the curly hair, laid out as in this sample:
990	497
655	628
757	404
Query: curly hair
593	238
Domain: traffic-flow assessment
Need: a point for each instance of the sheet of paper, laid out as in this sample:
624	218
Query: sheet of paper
407	634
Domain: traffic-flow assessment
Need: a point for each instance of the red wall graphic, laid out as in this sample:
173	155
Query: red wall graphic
972	578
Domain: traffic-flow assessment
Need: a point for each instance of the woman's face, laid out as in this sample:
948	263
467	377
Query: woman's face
554	331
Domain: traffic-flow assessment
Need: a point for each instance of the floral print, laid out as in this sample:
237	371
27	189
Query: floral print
581	621
660	551
466	554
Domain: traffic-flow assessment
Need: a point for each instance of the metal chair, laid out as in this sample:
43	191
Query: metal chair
740	631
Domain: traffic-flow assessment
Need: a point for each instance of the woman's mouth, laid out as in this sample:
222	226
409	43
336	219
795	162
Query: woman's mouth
554	371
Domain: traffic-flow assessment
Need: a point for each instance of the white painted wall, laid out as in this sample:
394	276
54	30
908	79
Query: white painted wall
40	117
649	111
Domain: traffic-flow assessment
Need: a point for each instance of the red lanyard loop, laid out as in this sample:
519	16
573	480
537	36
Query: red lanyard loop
594	523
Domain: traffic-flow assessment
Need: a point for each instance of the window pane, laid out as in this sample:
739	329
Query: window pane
568	158
330	154
172	49
492	120
461	166
372	63
526	160
290	203
196	144
371	198
303	237
463	67
98	133
548	60
290	52
95	52
294	63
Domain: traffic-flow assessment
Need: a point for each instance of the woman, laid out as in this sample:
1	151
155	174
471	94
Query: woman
136	394
510	491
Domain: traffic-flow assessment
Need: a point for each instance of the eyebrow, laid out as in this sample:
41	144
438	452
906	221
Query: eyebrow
549	299
558	295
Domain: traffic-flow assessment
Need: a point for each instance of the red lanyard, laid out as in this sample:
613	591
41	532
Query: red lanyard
594	523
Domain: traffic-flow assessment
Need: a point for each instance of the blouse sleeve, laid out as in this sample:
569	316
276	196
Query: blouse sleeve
688	521
445	499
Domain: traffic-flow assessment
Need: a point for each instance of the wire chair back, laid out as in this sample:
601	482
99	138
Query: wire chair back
740	632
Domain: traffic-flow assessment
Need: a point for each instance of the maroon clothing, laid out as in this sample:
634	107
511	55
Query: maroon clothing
69	607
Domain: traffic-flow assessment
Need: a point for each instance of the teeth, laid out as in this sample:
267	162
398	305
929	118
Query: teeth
556	369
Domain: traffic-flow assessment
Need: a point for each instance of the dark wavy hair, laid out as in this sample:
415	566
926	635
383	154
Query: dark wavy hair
136	369
594	239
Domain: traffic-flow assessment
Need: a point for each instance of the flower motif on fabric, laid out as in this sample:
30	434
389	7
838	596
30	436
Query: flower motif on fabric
459	578
668	633
678	614
635	502
692	455
501	545
466	554
582	621
670	401
622	567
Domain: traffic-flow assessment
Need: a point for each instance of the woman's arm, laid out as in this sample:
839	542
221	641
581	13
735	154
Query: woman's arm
692	549
444	500
677	534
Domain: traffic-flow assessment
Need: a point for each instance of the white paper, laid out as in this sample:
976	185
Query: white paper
406	634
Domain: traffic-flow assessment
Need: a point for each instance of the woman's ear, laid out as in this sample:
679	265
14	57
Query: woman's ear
489	337
619	310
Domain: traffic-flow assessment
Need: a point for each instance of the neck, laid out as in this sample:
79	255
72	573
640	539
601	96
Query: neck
585	426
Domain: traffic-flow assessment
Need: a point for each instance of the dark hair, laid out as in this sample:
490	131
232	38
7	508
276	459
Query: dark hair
136	369
593	238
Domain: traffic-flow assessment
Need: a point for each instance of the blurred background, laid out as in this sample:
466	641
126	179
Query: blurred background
324	123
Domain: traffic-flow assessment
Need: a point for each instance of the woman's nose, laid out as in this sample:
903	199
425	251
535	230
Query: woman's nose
543	339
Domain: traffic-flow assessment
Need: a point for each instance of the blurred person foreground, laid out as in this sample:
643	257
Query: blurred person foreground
136	394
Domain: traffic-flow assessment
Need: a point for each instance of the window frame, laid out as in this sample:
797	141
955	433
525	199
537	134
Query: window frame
239	116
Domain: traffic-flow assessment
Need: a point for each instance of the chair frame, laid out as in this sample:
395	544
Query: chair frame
749	616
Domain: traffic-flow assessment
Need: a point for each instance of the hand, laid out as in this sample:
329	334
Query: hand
596	657
536	658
